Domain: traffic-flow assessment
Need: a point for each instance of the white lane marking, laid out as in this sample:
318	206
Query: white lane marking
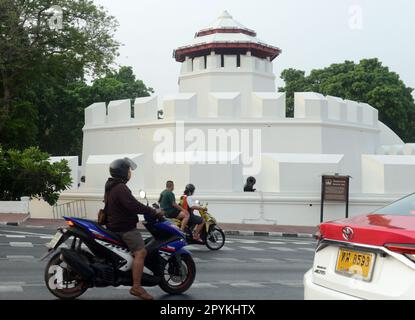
46	237
307	249
198	260
282	249
303	243
275	242
30	226
201	285
248	241
247	284
4	289
229	260
252	248
15	236
288	283
21	244
12	283
226	249
194	248
265	260
20	257
27	233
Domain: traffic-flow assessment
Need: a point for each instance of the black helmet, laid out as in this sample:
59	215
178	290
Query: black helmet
190	188
119	168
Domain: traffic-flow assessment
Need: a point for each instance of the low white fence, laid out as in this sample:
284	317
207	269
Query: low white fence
21	206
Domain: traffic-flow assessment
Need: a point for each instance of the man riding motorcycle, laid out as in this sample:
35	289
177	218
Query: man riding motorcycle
172	210
190	204
122	208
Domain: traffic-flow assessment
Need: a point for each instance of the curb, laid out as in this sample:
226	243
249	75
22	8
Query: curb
14	223
245	233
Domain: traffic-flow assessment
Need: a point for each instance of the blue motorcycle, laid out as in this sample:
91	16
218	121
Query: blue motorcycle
97	257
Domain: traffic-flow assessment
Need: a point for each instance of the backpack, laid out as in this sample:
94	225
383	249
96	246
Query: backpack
183	202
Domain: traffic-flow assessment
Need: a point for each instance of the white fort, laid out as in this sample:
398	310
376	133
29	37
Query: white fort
226	123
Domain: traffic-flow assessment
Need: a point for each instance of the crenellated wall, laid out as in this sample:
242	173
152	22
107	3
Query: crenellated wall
326	135
322	128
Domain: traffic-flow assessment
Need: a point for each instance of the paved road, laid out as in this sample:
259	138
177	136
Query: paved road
246	268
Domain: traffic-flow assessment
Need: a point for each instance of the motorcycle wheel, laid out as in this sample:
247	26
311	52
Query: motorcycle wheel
215	239
74	285
177	280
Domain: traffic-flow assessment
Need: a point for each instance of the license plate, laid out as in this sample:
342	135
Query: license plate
358	264
55	240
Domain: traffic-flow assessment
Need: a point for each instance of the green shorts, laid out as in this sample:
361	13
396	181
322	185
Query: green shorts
132	239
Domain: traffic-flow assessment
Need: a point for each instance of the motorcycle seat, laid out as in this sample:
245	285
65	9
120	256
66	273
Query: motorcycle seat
110	233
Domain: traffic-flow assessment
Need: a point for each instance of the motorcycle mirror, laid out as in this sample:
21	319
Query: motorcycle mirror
143	194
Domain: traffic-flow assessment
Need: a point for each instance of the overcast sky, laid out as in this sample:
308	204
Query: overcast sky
311	33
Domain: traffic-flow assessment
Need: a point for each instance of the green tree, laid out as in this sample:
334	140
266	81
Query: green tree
119	85
33	51
29	173
61	108
367	81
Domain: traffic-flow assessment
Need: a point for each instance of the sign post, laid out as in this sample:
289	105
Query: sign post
334	188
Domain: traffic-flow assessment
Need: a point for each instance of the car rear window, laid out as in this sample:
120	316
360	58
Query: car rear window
404	206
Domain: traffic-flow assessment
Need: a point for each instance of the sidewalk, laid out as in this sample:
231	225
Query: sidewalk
229	228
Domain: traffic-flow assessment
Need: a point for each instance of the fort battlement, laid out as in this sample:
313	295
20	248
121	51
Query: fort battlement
264	106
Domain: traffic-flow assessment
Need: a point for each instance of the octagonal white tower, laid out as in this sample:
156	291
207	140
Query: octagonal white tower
226	57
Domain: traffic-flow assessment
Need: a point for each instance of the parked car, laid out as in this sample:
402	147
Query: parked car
370	256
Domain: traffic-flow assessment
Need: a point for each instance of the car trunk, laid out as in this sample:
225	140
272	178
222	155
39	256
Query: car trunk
380	275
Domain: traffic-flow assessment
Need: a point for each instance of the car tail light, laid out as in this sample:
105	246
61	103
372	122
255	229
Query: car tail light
408	250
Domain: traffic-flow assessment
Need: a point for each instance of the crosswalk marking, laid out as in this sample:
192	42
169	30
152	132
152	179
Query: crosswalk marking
12	288
193	248
228	260
282	249
21	244
14	257
198	260
252	248
46	237
248	241
307	249
201	285
226	249
265	260
247	284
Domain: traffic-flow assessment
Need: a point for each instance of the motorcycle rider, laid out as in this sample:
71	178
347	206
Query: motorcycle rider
122	209
190	204
172	210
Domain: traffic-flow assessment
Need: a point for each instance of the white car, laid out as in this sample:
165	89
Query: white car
366	257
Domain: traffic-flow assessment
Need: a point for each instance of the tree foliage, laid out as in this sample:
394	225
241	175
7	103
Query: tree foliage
367	81
38	54
29	173
45	58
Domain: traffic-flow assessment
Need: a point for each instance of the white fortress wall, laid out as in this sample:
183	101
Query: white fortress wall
388	174
73	165
321	138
